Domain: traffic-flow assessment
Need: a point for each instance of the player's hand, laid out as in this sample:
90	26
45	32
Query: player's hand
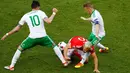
55	10
3	38
67	58
96	71
98	37
83	18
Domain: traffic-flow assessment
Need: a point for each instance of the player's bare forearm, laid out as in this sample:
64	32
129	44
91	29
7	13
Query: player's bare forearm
95	61
50	19
16	29
65	52
88	19
97	29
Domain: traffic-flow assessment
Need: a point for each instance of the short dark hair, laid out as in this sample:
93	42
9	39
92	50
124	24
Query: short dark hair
88	4
35	4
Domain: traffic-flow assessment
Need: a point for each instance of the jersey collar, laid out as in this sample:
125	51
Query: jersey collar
93	11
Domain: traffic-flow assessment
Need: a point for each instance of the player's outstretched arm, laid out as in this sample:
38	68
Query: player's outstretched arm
50	19
83	18
65	52
95	62
16	29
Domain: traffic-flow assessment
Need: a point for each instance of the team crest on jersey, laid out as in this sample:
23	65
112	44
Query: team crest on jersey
81	39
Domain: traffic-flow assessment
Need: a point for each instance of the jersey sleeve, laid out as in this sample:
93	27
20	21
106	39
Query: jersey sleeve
43	15
22	20
95	19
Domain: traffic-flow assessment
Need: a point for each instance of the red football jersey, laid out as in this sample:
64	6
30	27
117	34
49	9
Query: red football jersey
77	42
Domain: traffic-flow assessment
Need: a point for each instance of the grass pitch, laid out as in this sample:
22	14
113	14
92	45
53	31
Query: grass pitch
66	24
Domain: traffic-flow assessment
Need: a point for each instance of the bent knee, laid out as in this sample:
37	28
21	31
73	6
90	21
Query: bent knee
20	48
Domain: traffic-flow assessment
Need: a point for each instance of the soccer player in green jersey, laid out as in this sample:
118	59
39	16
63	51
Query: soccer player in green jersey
98	31
35	21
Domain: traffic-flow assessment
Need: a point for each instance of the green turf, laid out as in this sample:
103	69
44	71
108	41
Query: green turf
66	24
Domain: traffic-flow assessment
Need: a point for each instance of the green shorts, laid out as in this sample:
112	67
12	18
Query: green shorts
93	39
30	42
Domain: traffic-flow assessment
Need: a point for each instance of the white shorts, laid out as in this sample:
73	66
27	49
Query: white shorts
70	52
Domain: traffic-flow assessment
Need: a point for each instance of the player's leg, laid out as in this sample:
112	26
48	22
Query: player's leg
14	59
78	54
27	43
47	41
102	48
70	52
59	54
81	53
84	58
99	45
95	41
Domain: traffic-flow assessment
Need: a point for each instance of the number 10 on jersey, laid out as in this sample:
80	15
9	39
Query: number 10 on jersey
35	20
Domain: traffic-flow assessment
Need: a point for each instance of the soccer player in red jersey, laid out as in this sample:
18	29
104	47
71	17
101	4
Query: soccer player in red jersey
80	43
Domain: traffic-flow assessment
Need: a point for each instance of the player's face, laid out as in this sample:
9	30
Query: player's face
88	10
